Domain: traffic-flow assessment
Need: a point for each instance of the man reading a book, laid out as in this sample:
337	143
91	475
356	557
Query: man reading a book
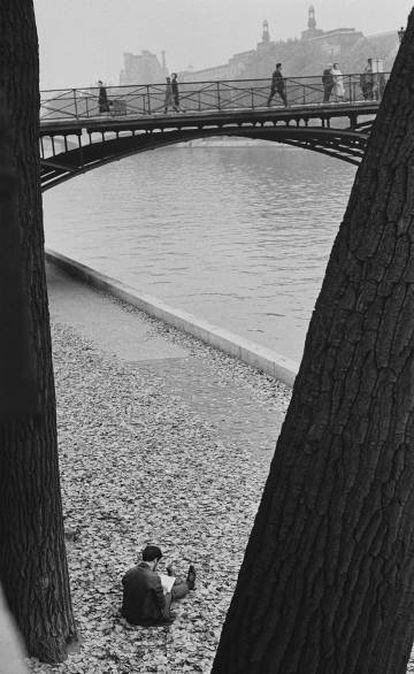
147	595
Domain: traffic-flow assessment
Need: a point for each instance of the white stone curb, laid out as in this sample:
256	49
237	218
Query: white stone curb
259	357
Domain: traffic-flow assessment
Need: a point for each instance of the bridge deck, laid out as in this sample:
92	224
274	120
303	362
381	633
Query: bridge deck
271	115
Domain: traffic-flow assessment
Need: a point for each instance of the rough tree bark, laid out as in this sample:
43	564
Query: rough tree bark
327	582
33	567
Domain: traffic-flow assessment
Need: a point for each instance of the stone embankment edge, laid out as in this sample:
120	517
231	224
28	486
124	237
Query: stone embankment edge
259	357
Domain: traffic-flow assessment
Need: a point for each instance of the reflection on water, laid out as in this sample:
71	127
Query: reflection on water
237	235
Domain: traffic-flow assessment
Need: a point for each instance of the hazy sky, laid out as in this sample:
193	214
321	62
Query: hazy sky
82	41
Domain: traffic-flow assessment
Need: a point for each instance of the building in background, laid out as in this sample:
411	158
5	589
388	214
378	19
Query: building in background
143	68
307	55
312	31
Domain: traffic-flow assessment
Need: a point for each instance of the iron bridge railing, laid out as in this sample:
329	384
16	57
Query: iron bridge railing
204	97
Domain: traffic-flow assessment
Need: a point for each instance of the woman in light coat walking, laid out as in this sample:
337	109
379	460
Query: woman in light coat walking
338	77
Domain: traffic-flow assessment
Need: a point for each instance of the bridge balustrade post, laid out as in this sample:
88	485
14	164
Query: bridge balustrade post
148	98
218	96
75	103
252	94
304	94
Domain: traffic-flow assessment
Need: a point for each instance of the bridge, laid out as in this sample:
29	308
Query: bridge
79	133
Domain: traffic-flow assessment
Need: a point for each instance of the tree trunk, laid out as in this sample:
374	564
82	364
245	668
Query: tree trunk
33	566
327	582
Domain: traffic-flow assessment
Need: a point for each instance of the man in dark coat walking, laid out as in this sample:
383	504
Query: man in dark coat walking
278	85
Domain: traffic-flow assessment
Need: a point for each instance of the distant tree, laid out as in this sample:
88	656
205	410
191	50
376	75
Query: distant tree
327	582
33	567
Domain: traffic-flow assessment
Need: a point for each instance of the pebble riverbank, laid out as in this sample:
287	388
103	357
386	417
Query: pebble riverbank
161	439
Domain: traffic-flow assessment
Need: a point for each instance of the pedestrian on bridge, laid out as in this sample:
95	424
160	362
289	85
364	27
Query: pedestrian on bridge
338	82
175	92
168	100
103	102
366	82
328	84
278	85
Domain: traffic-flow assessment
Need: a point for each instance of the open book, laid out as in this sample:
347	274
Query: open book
167	582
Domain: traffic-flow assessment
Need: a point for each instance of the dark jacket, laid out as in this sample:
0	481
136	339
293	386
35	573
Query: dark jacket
327	78
143	600
278	83
103	102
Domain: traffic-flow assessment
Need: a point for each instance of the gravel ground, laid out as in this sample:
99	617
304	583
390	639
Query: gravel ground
172	452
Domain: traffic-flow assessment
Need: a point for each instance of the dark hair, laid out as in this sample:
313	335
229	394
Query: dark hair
151	552
278	65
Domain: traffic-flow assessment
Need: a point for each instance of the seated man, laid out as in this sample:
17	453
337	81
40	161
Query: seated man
145	602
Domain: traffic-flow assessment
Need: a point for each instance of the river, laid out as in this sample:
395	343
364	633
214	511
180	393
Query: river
236	234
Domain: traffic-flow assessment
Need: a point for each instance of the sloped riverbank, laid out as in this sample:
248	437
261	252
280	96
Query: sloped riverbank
167	442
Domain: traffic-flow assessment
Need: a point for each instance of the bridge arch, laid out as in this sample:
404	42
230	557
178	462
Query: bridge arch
345	144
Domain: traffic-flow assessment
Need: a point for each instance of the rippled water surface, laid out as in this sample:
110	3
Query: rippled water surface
237	235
